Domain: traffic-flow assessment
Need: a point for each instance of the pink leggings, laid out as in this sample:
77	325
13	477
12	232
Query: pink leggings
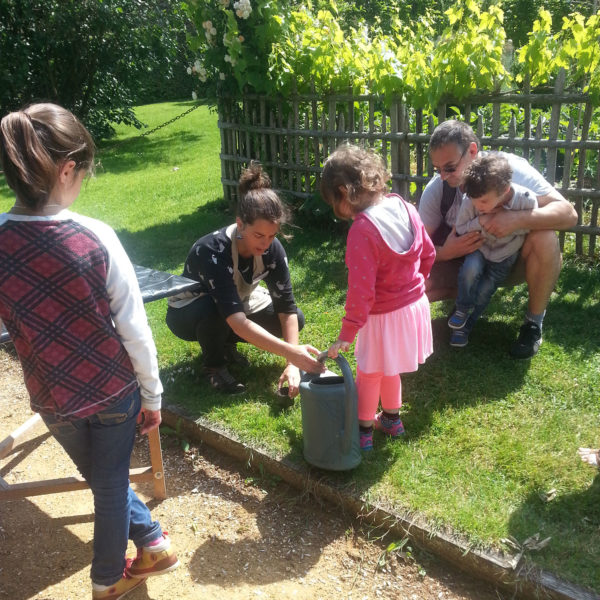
370	387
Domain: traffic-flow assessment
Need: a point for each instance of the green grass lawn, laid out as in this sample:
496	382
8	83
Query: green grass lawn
487	436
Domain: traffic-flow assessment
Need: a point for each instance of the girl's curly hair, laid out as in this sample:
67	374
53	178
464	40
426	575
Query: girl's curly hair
362	173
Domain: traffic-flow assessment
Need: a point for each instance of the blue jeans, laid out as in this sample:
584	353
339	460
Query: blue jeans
478	279
100	446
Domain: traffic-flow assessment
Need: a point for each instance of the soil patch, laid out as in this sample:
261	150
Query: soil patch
238	535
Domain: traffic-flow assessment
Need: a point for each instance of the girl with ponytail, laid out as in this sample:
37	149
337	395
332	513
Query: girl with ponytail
71	303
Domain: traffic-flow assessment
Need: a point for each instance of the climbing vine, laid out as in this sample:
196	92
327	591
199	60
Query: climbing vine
275	47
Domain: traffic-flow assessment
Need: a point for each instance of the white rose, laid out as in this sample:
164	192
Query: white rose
194	96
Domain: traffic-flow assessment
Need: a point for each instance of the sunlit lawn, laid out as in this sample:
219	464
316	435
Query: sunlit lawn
487	436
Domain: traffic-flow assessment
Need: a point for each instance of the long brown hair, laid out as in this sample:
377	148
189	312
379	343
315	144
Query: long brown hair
34	142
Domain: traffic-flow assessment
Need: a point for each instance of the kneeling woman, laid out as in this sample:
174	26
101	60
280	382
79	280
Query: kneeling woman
229	305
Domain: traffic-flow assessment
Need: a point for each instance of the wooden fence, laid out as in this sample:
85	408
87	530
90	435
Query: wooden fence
557	132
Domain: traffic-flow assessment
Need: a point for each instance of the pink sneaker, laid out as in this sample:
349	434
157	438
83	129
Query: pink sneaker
366	440
391	427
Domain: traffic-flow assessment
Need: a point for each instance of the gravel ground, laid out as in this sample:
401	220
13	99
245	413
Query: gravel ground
237	535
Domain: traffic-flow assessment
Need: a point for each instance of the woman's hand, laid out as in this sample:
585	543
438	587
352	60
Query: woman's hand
300	356
336	347
291	375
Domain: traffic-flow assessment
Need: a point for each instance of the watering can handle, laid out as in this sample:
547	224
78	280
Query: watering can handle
351	396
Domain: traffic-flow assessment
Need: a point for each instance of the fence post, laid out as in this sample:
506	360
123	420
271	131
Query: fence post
273	143
315	127
566	178
296	128
264	148
495	124
395	124
404	158
371	121
594	213
526	117
537	154
585	130
553	129
419	153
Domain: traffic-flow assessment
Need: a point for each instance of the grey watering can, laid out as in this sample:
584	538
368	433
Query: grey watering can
330	418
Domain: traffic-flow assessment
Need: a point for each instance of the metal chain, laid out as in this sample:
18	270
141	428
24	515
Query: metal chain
186	112
141	135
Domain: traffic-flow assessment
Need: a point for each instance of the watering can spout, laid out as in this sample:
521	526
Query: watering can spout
330	418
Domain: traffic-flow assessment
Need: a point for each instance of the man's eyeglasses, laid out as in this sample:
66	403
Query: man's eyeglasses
451	169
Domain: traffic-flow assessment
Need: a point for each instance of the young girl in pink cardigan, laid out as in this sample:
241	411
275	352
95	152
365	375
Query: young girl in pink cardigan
389	256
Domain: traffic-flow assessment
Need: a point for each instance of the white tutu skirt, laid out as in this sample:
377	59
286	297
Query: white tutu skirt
395	342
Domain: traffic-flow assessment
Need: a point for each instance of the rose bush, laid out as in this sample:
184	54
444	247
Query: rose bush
233	43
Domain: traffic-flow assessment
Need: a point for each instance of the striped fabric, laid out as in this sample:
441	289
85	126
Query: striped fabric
54	303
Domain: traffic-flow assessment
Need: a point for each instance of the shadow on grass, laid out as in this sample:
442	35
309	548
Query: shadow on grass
166	246
573	320
316	258
134	153
456	377
186	380
572	520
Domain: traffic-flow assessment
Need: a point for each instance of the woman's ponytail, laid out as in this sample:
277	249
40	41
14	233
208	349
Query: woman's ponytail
257	200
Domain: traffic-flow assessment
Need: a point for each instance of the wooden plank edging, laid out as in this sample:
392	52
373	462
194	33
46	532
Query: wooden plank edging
511	573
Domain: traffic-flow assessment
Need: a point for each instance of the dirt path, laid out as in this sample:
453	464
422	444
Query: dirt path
237	536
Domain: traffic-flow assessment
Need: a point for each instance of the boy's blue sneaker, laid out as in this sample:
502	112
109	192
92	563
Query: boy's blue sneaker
459	338
458	319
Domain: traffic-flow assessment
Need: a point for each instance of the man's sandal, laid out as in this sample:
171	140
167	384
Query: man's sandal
591	456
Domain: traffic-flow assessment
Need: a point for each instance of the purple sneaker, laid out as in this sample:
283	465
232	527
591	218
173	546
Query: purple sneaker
366	440
392	427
